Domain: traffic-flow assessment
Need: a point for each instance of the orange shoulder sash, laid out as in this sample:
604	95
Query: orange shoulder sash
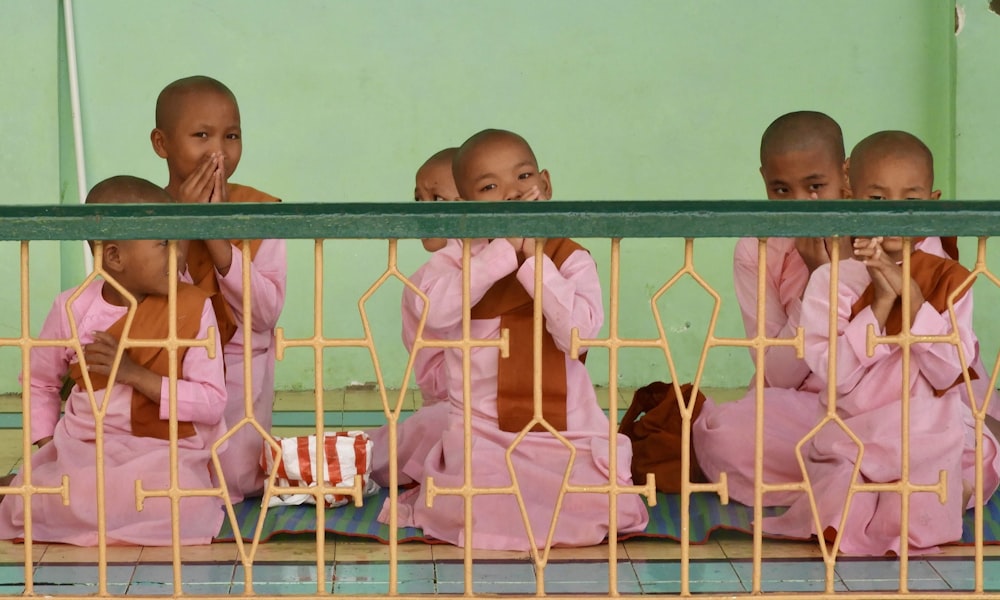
151	323
937	278
202	269
509	300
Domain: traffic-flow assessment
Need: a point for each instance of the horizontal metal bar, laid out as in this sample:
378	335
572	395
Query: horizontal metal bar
651	219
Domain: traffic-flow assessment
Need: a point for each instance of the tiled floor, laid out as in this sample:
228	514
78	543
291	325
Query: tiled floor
353	567
287	566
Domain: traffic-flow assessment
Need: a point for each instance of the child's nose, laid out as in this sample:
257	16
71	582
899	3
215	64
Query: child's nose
517	193
214	145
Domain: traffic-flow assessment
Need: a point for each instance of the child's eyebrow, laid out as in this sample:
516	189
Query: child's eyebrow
526	163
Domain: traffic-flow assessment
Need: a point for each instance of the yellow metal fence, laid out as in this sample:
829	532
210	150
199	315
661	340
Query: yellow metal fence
614	342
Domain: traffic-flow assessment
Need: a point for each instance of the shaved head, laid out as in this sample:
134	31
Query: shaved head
169	101
441	157
125	189
898	145
802	130
479	144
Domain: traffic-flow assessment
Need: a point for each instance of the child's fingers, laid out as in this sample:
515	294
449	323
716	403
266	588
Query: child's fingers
204	171
105	337
223	180
864	252
216	195
198	185
99	368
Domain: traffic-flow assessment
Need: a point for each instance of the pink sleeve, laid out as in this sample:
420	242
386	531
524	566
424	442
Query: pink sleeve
431	375
851	343
571	296
201	394
49	364
442	281
267	284
939	362
782	368
428	366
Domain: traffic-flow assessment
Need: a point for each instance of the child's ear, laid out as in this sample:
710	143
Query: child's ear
111	257
546	187
936	195
158	139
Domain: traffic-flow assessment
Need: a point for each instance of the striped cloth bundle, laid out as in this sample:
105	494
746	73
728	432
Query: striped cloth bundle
345	454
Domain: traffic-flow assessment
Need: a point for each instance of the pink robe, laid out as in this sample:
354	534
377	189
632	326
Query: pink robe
201	398
572	299
424	427
428	366
241	456
869	393
785	281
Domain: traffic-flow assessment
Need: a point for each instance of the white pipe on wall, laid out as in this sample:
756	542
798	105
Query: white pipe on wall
74	99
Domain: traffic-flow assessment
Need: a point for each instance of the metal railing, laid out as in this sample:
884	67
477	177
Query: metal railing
615	221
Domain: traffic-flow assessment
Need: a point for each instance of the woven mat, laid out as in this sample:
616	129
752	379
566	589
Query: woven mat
707	515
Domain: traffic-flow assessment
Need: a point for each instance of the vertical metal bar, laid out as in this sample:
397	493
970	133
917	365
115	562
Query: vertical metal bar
758	435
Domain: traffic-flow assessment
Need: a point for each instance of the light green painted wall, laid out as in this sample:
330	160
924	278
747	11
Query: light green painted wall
977	86
29	159
636	99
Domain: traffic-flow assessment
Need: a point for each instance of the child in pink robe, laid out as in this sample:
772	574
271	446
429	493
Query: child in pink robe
802	157
499	165
133	450
198	133
434	183
869	394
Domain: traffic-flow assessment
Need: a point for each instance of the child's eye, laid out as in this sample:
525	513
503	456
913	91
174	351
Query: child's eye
233	136
488	187
781	191
200	134
816	187
874	197
527	175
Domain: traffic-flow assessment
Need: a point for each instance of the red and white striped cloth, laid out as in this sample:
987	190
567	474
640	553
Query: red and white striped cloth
345	455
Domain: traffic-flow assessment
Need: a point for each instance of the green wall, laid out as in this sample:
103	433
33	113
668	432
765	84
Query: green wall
341	101
29	159
977	76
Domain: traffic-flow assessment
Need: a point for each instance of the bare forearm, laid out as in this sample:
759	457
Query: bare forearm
143	381
221	252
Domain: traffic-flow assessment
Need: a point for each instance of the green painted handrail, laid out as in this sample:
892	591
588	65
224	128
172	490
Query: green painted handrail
626	219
